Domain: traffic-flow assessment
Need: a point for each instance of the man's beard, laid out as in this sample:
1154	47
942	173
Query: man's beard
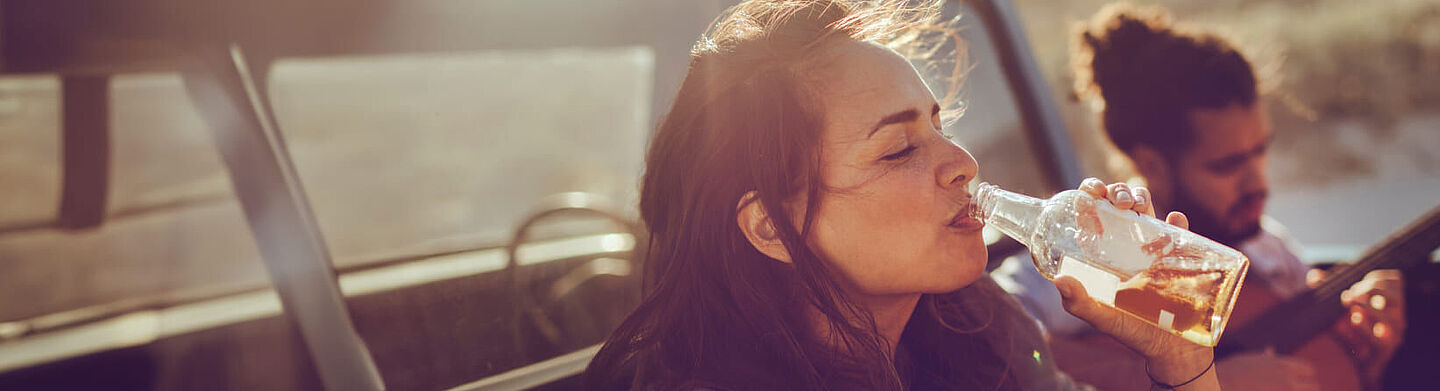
1212	226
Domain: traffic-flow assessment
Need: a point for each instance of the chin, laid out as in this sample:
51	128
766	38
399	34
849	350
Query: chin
970	268
1247	230
960	281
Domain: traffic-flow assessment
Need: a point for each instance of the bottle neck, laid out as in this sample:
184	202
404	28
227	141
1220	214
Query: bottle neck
1013	214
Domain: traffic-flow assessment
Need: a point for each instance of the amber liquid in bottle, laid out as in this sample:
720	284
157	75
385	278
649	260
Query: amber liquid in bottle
1174	279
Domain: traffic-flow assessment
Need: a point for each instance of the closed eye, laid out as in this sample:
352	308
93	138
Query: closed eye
899	155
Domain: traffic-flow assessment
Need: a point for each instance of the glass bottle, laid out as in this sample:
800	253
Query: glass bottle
1174	279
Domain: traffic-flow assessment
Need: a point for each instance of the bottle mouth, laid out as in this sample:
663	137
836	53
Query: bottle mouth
983	202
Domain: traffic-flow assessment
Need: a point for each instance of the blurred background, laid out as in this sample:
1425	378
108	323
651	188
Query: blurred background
432	140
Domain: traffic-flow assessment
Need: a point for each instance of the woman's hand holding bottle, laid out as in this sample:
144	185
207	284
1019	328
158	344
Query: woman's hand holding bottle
1170	359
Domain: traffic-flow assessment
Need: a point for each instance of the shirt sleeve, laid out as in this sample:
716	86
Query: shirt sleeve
1273	259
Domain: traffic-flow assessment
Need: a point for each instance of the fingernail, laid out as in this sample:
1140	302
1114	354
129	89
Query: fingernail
1123	196
1092	181
1139	199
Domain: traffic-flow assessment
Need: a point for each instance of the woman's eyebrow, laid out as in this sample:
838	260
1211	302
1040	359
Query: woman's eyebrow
902	116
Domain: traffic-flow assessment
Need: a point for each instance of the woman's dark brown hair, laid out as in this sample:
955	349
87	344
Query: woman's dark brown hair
1149	75
716	311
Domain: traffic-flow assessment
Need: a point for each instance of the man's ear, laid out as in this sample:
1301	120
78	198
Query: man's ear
755	222
1155	167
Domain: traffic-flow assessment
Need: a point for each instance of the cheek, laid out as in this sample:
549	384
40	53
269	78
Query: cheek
1214	192
889	242
866	226
1228	188
890	204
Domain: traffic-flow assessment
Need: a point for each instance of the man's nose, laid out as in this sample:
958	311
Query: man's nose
1254	178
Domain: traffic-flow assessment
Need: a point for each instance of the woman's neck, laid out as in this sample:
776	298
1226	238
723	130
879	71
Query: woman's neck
891	313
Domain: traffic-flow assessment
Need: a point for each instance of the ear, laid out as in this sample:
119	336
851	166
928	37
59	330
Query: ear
755	222
1155	167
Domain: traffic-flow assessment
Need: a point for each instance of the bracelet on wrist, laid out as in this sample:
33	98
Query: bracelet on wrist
1166	386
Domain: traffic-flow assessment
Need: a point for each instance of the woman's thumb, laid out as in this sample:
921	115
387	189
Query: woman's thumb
1072	293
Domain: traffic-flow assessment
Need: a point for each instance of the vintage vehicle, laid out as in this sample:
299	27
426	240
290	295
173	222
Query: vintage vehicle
295	195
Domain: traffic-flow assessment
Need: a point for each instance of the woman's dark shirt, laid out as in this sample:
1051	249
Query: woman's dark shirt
985	342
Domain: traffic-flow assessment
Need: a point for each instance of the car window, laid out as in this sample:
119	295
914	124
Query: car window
422	167
168	286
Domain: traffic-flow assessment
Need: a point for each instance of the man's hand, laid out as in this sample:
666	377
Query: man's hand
1265	371
1375	324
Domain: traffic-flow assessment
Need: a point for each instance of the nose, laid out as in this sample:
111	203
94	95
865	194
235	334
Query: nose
957	168
1255	179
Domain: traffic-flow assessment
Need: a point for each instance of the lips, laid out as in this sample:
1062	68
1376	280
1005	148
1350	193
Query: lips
962	219
964	222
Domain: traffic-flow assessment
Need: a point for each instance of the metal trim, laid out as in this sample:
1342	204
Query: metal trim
537	374
279	217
